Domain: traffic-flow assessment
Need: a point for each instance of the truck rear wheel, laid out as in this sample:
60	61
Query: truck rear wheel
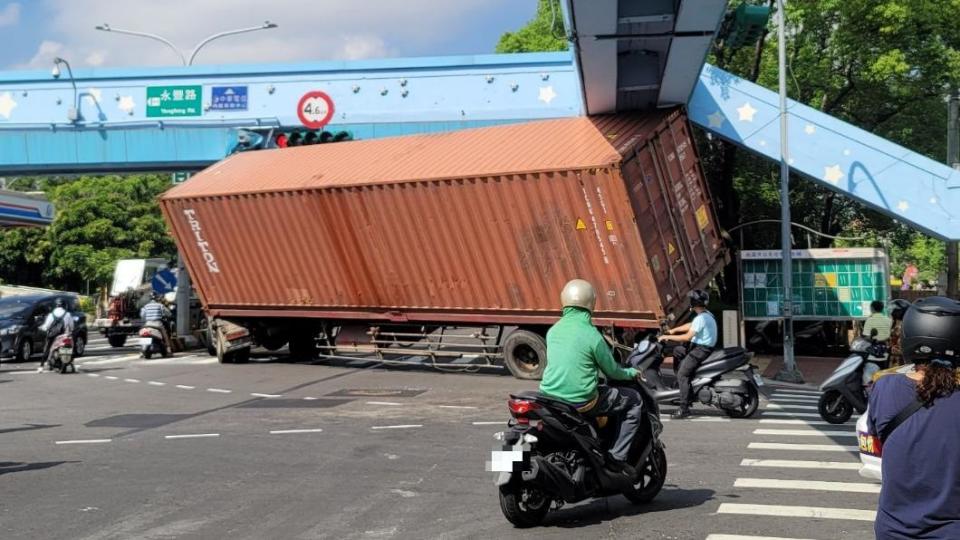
525	354
117	340
303	345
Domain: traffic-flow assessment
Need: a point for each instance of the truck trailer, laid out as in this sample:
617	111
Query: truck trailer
453	246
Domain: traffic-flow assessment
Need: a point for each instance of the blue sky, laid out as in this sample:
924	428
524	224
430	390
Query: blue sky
35	31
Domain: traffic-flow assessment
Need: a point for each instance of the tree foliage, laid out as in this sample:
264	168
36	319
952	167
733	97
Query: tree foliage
543	33
98	220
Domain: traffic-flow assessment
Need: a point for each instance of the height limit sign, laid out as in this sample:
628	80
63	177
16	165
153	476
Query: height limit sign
315	109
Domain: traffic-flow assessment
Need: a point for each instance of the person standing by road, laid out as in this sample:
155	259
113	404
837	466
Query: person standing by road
917	419
698	338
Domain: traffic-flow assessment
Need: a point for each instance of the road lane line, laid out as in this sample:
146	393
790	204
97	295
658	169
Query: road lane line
111	377
806	485
219	390
192	436
804	433
389	403
500	422
84	441
308	398
455	407
401	426
800	464
93	374
803	447
255	394
132	380
185	387
285	431
748	537
787	421
797	511
156	383
789	406
110	360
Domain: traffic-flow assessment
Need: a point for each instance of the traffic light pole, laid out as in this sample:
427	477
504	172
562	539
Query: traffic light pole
953	160
790	373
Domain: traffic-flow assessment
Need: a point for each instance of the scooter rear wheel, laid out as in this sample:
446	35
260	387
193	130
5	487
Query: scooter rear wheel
653	474
751	402
834	408
523	506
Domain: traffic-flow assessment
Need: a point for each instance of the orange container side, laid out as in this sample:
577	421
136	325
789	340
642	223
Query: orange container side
475	226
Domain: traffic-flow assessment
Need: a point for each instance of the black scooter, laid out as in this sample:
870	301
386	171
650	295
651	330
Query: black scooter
553	455
737	397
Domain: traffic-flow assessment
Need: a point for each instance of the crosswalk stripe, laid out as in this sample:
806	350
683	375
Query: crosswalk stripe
794	414
749	537
710	419
794	399
798	392
803	433
800	464
797	511
802	447
793	422
806	485
791	406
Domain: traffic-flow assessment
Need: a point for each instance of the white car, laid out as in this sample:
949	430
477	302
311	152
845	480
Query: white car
871	451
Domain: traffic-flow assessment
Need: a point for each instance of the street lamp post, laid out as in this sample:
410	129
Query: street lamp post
183	278
73	113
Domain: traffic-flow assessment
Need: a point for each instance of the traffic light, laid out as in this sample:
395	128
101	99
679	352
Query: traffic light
299	137
744	25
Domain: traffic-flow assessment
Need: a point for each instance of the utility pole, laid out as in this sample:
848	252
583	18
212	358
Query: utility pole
953	160
790	373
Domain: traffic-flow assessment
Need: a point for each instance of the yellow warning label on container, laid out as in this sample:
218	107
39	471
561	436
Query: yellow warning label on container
609	225
825	280
670	248
581	226
702	218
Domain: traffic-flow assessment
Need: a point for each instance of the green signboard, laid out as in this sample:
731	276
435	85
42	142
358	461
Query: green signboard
179	177
168	101
828	284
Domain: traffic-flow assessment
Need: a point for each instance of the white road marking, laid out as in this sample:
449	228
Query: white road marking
803	433
799	464
794	399
308	398
798	392
219	390
402	426
285	431
390	403
156	383
795	414
806	485
455	407
789	406
501	422
254	394
84	441
748	537
185	387
803	447
111	377
93	375
710	419
797	511
192	436
132	380
787	421
111	360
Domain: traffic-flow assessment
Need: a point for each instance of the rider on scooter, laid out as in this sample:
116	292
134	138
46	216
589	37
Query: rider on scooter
576	354
697	340
58	322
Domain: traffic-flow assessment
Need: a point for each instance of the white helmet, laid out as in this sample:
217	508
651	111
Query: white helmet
579	293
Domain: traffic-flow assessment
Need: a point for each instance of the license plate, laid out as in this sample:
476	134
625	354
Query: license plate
757	378
503	460
146	341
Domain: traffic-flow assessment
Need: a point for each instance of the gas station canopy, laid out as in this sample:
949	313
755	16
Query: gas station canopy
24	210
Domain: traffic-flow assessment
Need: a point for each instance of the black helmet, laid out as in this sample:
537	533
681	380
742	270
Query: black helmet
698	298
897	308
59	303
931	330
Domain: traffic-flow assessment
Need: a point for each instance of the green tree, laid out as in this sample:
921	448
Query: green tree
543	33
98	220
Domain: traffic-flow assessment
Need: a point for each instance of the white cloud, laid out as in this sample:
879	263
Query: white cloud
332	29
10	15
43	58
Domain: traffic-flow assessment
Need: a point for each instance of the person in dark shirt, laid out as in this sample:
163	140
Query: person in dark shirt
920	495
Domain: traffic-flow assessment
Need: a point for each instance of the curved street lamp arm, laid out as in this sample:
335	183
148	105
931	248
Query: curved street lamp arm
108	28
265	26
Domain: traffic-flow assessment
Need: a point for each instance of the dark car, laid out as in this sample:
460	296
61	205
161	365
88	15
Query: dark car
20	321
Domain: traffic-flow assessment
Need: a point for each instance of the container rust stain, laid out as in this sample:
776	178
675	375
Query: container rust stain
482	225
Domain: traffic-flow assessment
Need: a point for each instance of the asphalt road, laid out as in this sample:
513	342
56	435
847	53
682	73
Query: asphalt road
187	448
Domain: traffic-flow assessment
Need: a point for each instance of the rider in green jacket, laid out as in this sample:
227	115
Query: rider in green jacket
576	354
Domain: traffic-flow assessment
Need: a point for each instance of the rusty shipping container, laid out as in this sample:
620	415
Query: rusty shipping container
475	226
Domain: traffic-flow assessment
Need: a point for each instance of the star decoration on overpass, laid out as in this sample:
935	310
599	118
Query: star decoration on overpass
903	206
810	129
547	94
716	119
126	104
833	174
746	112
7	105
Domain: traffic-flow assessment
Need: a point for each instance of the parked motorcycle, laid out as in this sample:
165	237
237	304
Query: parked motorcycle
552	455
846	389
61	354
152	340
712	382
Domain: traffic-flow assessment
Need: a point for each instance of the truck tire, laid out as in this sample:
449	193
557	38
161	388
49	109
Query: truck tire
221	351
303	346
117	340
525	354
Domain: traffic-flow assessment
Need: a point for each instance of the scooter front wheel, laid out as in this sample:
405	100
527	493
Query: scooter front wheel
653	474
834	408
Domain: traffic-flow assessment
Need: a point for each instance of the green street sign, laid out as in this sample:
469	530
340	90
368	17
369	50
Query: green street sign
179	177
167	101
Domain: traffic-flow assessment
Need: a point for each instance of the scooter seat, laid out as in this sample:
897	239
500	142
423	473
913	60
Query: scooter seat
730	357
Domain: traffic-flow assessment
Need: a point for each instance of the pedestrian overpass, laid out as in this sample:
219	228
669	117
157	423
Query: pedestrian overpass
625	55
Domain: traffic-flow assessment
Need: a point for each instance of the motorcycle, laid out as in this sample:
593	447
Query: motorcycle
61	354
553	455
152	340
847	388
737	397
